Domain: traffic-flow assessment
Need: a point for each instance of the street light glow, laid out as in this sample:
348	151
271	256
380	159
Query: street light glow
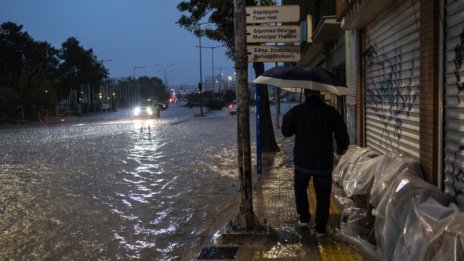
165	68
137	67
212	58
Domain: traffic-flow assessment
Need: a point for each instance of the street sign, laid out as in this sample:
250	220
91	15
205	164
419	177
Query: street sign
272	14
266	53
273	34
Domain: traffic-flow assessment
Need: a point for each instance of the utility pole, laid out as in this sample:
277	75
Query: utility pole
165	68
246	219
200	84
137	67
136	92
212	59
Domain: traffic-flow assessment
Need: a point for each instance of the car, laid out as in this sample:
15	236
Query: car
163	106
232	107
144	110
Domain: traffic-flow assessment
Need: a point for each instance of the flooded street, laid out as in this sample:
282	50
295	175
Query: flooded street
111	187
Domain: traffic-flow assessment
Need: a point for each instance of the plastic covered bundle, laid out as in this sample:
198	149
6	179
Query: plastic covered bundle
430	213
413	220
349	161
356	227
394	207
341	197
358	182
386	169
338	174
356	222
343	164
448	244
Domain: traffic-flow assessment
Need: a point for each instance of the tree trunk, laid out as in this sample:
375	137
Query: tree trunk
246	220
268	141
277	106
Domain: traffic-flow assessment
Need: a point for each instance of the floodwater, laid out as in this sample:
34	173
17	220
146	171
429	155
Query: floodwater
114	188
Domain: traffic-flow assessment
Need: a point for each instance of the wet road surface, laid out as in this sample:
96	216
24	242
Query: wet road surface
110	187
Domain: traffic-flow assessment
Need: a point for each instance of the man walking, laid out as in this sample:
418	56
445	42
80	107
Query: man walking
314	125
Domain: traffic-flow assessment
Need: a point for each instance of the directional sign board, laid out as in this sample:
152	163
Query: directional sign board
272	14
273	34
266	53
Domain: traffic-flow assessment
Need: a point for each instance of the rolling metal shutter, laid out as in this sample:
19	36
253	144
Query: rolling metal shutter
391	54
454	101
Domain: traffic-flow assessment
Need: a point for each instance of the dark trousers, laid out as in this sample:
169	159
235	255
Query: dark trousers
323	187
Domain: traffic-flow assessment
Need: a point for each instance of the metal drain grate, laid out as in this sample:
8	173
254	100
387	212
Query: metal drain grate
218	253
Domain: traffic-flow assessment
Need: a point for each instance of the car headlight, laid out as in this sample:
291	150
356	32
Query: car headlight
149	111
136	111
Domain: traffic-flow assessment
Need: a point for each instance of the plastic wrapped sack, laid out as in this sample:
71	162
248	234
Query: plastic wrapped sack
341	198
343	164
393	209
350	173
386	170
448	243
356	227
431	212
349	160
358	182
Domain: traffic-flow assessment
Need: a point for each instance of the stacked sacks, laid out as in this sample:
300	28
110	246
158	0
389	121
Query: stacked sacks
354	176
430	231
356	227
413	220
396	196
358	184
357	220
386	170
387	180
448	243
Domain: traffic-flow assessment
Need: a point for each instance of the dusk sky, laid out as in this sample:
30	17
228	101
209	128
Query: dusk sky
128	32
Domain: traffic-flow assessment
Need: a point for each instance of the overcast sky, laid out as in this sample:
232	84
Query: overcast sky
127	32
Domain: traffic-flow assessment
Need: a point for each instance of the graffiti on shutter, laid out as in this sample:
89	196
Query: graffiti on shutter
391	56
453	95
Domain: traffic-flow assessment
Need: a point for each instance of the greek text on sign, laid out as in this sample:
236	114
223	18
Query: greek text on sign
273	34
272	14
262	53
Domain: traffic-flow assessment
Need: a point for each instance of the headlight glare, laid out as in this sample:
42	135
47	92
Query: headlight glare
136	111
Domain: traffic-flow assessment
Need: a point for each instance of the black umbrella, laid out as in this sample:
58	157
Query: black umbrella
295	78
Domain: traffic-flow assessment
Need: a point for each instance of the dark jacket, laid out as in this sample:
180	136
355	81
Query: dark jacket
315	124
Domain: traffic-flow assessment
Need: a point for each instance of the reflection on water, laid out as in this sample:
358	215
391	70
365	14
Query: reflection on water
114	190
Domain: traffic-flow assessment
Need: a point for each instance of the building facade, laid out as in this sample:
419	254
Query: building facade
405	61
408	83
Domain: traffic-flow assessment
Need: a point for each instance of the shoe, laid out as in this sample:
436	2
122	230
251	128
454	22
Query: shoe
303	224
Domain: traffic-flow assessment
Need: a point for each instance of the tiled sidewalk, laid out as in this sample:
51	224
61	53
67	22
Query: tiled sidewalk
274	201
330	249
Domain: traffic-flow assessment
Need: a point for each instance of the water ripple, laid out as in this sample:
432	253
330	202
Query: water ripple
116	191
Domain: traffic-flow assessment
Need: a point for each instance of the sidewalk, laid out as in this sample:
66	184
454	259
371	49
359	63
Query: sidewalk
274	201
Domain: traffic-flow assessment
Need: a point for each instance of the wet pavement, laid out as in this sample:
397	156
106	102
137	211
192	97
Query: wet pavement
274	201
110	187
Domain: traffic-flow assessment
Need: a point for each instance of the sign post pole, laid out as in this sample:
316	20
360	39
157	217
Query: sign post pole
265	53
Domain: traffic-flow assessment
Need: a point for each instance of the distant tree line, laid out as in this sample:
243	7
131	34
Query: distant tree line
152	87
35	75
213	101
